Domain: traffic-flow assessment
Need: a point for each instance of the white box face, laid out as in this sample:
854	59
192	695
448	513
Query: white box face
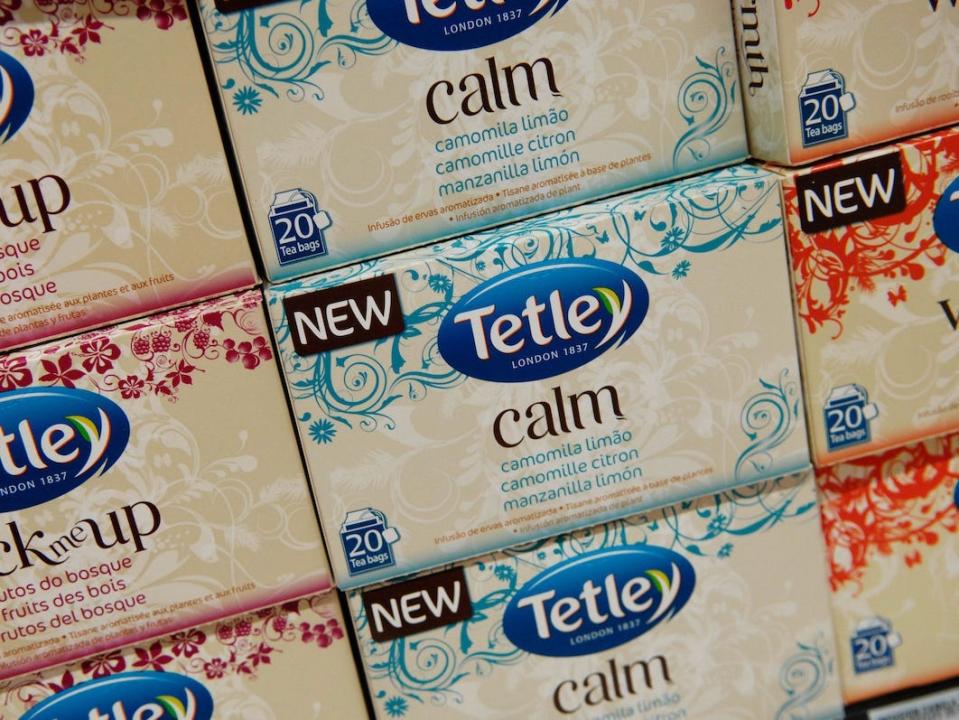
353	143
285	662
582	366
822	78
673	613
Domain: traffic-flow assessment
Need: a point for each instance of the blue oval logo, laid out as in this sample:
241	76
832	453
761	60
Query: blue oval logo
132	695
945	220
543	319
53	440
457	24
16	96
599	600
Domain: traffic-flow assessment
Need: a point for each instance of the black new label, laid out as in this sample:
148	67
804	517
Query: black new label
418	605
227	6
851	193
346	315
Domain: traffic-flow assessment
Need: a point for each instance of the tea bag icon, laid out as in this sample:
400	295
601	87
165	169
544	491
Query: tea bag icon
368	540
298	225
823	104
848	413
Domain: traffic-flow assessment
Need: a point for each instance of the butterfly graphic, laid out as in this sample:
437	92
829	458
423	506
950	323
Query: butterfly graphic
897	297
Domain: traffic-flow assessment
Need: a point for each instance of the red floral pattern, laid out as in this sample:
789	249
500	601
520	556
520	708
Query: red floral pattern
72	26
829	267
171	350
237	647
894	503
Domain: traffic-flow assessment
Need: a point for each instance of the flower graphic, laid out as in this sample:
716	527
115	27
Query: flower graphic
215	668
247	100
717	524
440	284
131	387
34	43
248	353
504	573
152	658
62	371
322	432
102	665
187	643
681	270
14	373
726	550
672	239
396	706
99	354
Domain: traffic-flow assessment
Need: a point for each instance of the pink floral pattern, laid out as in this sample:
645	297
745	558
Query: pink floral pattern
171	351
72	26
240	647
14	373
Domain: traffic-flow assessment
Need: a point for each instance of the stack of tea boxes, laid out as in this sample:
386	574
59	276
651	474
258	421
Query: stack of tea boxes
676	452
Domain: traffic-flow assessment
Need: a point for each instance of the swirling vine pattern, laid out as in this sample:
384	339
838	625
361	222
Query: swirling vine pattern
282	53
427	668
768	419
803	677
706	101
356	388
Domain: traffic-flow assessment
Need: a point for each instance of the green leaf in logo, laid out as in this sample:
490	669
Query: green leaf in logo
659	580
84	426
609	299
173	707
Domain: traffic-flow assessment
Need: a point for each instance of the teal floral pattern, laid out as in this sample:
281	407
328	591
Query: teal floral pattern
282	53
768	418
706	101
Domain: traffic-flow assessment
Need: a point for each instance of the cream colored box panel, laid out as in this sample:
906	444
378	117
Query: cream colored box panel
874	245
822	77
891	523
363	128
116	200
149	482
716	608
284	662
586	365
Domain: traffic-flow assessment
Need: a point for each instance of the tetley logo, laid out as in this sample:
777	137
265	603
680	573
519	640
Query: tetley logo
458	24
53	440
543	319
129	696
16	96
599	600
